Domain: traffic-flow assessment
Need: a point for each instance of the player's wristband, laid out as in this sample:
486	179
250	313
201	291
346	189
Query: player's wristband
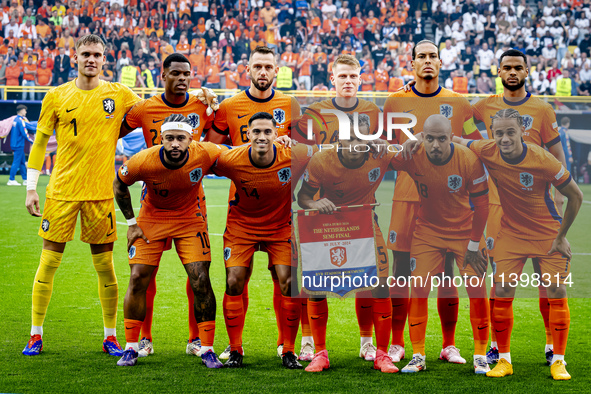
32	178
473	246
131	222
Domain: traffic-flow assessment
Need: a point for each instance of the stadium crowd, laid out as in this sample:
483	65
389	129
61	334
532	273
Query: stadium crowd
37	45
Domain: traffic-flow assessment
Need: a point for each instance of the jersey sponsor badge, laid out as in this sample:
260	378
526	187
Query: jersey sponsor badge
109	105
194	120
279	115
392	236
284	175
124	170
560	173
196	175
528	121
454	182
132	252
413	264
446	110
526	179
45	225
374	175
338	256
227	253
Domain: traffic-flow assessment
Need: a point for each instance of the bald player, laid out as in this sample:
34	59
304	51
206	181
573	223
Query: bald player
169	212
454	206
424	99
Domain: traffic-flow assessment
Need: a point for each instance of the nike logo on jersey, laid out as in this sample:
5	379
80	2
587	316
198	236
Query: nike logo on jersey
157	121
560	329
501	330
315	318
70	110
114	284
111	233
209	329
240	117
204	253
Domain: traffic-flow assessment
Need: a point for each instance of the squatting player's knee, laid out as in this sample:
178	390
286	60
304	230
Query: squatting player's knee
554	291
234	285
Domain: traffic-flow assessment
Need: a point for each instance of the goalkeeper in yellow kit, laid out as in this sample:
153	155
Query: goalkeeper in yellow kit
86	114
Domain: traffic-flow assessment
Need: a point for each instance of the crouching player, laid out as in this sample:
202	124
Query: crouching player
449	179
346	175
530	228
259	220
170	212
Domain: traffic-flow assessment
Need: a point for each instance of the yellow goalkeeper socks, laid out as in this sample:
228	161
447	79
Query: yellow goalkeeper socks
107	287
43	285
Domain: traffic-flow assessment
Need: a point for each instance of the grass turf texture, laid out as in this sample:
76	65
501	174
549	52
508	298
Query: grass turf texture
72	360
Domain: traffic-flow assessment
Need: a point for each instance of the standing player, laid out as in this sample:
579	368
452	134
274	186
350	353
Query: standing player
531	227
86	114
346	175
346	79
231	122
424	99
259	219
170	211
451	182
541	129
149	115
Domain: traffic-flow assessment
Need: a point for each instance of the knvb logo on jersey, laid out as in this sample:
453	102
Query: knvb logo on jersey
279	115
446	110
526	179
454	182
196	175
345	125
194	120
528	121
284	175
109	105
338	256
374	174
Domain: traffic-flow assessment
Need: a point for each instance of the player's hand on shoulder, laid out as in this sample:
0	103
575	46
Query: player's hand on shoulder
32	203
562	246
378	147
477	261
408	86
134	232
209	98
324	205
410	147
286	141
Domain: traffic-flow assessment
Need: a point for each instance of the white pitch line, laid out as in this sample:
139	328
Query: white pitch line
587	202
582	254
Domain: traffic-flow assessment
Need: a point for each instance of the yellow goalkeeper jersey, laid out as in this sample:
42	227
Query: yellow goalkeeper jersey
87	124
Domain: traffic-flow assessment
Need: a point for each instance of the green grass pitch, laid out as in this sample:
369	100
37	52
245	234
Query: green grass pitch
72	360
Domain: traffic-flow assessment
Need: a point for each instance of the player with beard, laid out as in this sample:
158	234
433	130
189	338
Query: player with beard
346	79
541	129
169	212
149	115
231	123
423	99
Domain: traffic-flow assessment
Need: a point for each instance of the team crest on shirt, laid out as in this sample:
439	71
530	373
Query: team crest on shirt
194	120
392	236
279	115
446	110
494	267
284	175
413	264
124	170
374	174
454	182
109	105
227	253
132	252
45	225
196	175
528	121
526	179
490	243
338	256
306	175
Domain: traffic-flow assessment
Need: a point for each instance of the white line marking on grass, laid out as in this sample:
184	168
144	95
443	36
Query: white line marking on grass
587	202
582	254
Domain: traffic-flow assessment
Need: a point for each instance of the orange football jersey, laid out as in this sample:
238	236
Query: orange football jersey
150	114
539	120
261	203
326	126
232	117
452	105
445	190
300	157
170	194
346	186
524	184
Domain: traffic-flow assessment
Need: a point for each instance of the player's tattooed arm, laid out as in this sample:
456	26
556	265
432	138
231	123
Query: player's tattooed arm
123	199
306	200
